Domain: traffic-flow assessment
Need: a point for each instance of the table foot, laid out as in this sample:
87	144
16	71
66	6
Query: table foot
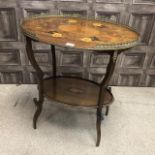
98	125
37	113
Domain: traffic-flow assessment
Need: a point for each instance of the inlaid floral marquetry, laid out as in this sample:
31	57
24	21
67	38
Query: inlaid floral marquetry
80	33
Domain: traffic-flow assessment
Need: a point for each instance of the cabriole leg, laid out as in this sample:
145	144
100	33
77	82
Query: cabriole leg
37	113
104	85
39	72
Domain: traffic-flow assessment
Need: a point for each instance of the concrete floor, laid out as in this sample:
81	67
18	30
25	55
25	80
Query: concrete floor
62	130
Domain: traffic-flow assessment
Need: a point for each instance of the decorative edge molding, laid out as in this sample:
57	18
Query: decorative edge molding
99	47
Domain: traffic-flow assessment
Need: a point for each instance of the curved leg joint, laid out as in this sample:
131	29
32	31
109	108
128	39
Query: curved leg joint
36	101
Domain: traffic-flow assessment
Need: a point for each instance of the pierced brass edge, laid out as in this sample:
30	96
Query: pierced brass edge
119	46
86	18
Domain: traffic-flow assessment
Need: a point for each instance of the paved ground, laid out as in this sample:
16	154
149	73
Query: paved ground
128	130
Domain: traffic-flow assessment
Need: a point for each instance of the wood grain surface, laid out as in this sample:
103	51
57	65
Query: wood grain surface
75	92
80	33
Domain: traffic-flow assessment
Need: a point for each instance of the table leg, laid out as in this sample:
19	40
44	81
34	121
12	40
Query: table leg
54	69
39	72
107	110
104	85
98	125
100	117
53	60
107	107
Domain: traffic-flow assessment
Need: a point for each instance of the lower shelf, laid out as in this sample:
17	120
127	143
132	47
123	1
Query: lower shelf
74	91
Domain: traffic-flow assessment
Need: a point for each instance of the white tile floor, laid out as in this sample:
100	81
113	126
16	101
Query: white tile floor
128	130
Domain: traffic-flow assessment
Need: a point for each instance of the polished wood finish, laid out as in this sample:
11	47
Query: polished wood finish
40	75
80	33
75	91
53	60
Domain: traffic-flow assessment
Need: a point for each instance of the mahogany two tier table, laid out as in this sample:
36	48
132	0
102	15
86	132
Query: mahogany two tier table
85	34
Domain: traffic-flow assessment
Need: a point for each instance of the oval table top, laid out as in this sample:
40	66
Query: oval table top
80	33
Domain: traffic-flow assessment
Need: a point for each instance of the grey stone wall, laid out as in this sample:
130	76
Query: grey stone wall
134	68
